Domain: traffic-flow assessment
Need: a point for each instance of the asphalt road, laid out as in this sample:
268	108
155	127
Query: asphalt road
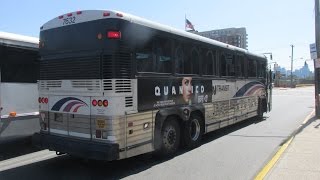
236	152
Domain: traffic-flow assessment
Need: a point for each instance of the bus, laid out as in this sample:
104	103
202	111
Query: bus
113	85
19	72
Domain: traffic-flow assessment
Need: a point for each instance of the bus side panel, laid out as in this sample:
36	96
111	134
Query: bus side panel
21	98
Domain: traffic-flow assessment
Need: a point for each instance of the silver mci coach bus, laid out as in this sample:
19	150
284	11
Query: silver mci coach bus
113	85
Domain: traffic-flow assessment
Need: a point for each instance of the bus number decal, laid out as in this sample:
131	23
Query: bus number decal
69	20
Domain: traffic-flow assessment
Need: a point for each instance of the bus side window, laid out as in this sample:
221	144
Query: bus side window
223	65
192	65
163	54
227	62
262	69
144	58
239	66
208	63
179	58
252	68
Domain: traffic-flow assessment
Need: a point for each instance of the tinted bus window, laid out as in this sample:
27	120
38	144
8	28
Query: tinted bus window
252	68
179	58
207	63
227	65
230	65
19	65
261	69
239	66
163	56
144	58
223	65
193	63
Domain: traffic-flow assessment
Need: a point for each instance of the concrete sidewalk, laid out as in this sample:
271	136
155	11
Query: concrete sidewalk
301	159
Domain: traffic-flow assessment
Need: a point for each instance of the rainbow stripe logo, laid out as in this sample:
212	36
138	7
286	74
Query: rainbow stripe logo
252	88
69	103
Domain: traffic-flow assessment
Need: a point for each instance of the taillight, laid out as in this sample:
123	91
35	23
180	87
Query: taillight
98	133
114	34
105	103
43	100
94	102
99	103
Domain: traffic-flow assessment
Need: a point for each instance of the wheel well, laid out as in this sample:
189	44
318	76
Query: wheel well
178	119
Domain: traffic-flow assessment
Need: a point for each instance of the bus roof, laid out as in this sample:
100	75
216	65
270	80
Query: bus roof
90	15
17	40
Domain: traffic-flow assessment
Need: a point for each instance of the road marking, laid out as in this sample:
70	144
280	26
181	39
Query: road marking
26	159
261	175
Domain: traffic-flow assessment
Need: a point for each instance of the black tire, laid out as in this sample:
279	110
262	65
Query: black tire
261	108
193	131
170	137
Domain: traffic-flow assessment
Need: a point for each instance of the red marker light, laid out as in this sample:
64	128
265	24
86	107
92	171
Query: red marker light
114	34
60	17
79	12
69	14
99	103
105	103
98	133
106	14
119	15
94	102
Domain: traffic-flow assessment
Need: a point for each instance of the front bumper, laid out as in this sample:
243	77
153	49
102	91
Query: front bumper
76	147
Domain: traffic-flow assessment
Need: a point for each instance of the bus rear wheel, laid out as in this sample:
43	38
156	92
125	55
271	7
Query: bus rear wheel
170	137
193	131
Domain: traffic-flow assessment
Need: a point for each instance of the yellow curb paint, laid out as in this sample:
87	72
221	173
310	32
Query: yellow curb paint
273	161
308	117
277	156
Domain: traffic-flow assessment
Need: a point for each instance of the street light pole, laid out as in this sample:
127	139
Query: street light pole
291	64
316	70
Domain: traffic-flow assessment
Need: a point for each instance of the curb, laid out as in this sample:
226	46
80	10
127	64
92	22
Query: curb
283	146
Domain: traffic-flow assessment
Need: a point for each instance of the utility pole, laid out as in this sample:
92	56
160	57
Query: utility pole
291	65
316	70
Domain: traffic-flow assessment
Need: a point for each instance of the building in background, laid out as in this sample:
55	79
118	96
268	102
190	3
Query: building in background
234	36
303	72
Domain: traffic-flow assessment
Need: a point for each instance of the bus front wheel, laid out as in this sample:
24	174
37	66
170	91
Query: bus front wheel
170	137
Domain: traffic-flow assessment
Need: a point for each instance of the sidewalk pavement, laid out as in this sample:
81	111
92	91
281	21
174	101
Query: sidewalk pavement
301	159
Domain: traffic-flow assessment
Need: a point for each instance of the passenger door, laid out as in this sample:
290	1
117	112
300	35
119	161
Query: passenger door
269	89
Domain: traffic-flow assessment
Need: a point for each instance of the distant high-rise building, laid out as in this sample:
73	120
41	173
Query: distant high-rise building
303	72
234	36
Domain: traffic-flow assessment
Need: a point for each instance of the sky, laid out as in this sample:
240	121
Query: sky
272	25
